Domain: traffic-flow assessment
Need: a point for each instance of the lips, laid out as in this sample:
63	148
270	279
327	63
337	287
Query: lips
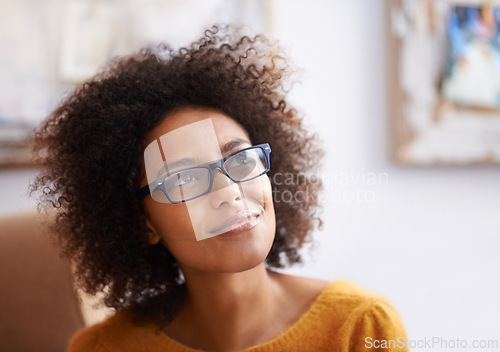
237	223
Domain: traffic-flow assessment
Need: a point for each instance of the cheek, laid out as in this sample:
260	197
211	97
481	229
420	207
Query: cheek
267	193
258	190
171	222
262	191
267	190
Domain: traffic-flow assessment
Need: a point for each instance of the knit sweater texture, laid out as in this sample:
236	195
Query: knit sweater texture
344	317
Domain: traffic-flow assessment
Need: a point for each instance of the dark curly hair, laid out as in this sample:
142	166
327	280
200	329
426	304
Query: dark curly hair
90	152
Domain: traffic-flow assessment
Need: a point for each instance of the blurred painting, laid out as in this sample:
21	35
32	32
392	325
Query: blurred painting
445	82
472	76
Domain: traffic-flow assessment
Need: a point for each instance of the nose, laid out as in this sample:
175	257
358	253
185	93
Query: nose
224	191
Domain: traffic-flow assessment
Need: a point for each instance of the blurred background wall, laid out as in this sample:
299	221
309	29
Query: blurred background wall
426	238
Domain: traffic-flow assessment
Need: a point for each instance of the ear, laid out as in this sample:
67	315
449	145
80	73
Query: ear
154	237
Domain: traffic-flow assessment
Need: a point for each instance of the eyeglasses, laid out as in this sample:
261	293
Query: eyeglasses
193	182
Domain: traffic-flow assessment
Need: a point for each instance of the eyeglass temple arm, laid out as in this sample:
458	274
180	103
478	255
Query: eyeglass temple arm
143	192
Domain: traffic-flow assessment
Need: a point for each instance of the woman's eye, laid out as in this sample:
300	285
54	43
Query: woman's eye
241	159
186	178
182	179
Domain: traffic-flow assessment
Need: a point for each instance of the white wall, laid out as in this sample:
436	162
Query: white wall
14	191
429	240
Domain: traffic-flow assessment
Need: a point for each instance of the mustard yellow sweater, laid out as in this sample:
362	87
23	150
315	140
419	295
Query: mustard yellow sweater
344	317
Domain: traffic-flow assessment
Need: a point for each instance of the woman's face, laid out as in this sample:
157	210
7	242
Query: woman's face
229	229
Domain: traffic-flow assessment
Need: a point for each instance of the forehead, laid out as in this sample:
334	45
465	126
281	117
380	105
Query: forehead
225	128
188	138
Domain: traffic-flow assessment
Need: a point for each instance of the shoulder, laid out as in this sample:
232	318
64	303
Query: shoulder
364	319
341	301
343	317
358	306
298	287
106	336
329	295
297	294
88	339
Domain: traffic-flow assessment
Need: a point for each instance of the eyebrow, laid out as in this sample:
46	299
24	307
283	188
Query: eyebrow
174	164
188	161
233	144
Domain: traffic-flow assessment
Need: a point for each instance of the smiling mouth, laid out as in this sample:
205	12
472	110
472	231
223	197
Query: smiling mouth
237	223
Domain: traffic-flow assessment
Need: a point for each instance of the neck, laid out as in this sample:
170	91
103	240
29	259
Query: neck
227	311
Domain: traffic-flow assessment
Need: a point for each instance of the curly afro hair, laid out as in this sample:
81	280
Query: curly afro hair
90	152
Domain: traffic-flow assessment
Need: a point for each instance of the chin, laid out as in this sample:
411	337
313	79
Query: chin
241	265
234	253
243	258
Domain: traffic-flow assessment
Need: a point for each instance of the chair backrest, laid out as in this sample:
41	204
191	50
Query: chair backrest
39	307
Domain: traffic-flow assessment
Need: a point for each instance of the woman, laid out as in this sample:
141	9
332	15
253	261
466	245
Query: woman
160	168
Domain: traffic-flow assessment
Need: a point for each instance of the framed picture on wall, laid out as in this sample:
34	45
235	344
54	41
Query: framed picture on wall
445	81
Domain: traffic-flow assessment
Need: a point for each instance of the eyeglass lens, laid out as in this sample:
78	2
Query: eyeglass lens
193	182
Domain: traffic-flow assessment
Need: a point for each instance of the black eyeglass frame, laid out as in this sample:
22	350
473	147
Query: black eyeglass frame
160	184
